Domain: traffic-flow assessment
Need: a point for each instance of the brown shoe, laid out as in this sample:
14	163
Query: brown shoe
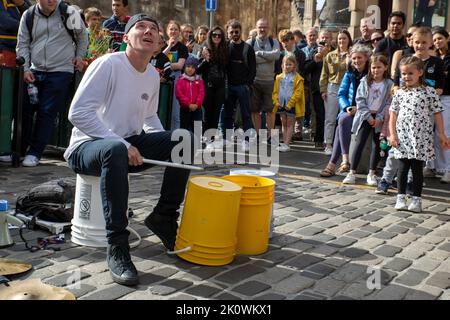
327	172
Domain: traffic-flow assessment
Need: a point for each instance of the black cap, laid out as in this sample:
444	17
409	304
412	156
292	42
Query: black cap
136	18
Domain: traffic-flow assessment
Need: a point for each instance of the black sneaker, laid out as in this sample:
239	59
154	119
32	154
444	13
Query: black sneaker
382	187
165	227
121	267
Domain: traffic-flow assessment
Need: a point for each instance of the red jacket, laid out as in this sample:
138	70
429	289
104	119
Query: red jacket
190	92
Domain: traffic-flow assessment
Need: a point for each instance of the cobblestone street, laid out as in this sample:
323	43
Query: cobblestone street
330	242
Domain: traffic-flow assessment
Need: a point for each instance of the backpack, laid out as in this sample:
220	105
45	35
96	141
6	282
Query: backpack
63	8
51	201
244	52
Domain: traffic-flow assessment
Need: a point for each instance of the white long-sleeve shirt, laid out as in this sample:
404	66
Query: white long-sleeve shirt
114	101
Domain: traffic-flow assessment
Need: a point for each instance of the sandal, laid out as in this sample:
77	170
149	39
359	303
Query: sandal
344	167
327	172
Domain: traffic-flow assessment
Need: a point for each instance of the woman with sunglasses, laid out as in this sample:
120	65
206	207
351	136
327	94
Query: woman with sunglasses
212	68
376	37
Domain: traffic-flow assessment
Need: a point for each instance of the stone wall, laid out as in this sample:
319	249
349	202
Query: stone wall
278	12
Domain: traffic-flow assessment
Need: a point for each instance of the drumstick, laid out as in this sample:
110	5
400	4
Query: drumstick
171	164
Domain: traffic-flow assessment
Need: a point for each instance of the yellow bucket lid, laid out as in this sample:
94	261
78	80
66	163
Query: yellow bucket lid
216	184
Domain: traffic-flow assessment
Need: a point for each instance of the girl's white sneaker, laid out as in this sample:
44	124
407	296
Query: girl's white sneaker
401	202
416	205
349	179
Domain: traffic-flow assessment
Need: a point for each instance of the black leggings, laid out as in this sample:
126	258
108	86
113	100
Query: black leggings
416	167
361	139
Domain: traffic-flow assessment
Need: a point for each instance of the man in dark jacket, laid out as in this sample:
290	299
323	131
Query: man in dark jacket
10	13
395	40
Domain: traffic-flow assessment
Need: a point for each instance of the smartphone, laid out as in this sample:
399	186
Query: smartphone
322	43
191	38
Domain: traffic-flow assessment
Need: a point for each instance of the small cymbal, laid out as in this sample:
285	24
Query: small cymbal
33	289
10	267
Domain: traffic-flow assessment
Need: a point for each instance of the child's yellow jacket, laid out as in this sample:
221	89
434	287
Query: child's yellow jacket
298	95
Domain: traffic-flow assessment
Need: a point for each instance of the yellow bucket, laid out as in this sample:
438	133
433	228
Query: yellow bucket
255	210
207	233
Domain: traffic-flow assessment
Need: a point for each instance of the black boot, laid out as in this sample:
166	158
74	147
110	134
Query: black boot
120	265
165	227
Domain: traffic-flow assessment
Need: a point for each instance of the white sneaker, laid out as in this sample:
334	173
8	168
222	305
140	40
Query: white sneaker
283	147
6	158
30	161
416	205
446	177
349	179
245	147
401	202
372	180
429	173
328	151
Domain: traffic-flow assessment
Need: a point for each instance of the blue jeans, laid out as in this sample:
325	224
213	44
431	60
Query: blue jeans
108	159
239	93
53	88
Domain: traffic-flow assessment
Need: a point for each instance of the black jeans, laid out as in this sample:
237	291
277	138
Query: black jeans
214	100
416	167
108	159
361	139
319	109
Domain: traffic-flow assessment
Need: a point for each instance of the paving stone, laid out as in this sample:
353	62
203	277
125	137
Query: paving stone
357	290
440	280
342	242
303	261
353	252
426	264
412	277
407	224
335	262
370	228
323	250
445	247
329	287
309	295
403	240
403	215
40	263
204	273
170	286
310	231
359	234
277	256
372	217
282	220
424	292
391	292
300	246
293	284
156	276
251	288
270	296
274	275
349	273
112	292
387	251
69	254
327	224
67	278
227	296
319	238
203	290
420	231
181	296
398	264
80	289
439	255
353	214
385	235
283	240
439	208
239	274
397	229
320	270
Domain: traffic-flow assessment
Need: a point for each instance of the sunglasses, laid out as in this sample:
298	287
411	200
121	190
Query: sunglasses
376	39
409	35
216	35
235	32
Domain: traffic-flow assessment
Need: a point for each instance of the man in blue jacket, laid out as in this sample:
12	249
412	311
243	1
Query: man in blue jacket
10	13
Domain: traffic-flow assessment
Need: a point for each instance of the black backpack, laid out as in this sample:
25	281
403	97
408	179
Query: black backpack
63	8
51	201
279	62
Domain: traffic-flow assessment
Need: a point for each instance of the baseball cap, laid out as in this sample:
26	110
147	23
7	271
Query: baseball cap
136	18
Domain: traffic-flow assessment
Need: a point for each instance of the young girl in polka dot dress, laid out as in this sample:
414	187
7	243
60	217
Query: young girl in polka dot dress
411	125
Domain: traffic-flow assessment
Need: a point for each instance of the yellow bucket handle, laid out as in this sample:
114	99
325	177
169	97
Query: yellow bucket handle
180	251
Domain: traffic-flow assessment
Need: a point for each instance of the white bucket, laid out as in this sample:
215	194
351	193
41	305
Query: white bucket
259	173
88	223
